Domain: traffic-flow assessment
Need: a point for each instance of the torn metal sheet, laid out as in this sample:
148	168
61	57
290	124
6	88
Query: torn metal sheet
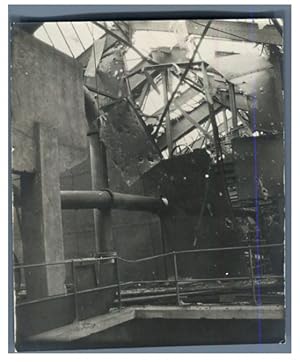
95	57
109	82
109	44
128	145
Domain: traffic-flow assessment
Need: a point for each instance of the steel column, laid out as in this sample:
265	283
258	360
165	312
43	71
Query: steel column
176	278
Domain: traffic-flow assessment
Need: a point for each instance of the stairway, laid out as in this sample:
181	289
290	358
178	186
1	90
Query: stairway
231	180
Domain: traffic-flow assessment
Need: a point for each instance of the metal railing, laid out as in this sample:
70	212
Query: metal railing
177	281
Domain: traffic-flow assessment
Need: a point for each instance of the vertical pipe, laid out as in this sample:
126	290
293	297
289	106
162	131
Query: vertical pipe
118	282
75	290
162	221
252	275
176	277
106	237
95	176
99	175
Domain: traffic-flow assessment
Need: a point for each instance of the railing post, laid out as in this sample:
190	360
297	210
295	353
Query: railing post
176	277
118	282
251	275
75	290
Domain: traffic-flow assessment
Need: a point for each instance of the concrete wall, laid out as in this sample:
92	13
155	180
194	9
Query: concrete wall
46	87
48	136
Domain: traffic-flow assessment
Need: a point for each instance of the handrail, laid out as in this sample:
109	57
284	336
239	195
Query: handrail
21	266
66	261
178	252
253	278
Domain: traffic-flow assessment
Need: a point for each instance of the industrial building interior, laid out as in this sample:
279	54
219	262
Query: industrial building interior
148	183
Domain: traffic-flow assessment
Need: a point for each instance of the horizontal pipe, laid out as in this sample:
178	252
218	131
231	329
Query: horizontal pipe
85	200
105	199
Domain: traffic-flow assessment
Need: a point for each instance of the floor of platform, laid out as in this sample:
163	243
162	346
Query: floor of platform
85	328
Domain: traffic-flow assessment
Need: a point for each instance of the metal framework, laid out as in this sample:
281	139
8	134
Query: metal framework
122	33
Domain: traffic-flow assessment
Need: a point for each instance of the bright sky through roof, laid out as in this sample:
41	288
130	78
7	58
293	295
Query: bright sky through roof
80	35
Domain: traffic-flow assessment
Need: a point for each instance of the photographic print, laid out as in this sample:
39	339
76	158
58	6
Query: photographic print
148	182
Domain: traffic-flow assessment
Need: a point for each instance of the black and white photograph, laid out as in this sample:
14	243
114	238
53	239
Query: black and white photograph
148	182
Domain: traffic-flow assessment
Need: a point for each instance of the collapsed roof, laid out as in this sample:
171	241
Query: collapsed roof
154	66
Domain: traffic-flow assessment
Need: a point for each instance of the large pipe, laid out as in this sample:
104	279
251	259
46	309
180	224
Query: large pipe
99	174
106	200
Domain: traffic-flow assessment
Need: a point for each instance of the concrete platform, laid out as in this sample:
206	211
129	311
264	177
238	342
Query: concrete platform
82	329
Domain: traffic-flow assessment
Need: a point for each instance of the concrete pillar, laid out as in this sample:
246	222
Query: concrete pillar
41	218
